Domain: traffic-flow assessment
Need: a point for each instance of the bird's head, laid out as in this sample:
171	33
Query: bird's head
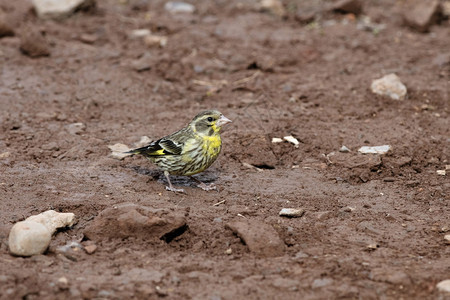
208	122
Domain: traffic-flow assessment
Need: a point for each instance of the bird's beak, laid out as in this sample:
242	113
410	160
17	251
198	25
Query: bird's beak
222	121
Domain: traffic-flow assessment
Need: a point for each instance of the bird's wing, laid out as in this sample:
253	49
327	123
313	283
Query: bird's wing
171	147
163	146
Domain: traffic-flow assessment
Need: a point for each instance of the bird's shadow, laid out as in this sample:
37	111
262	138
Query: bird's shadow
207	176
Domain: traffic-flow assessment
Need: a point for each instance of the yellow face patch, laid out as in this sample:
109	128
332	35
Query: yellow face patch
214	127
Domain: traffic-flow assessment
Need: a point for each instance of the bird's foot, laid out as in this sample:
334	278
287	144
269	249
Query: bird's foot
172	189
207	187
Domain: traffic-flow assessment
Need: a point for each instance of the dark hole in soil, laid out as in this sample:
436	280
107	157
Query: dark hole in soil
264	166
168	237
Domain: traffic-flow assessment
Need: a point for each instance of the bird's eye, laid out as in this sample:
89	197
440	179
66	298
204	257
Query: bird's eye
210	119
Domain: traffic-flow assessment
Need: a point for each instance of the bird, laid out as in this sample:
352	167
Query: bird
188	151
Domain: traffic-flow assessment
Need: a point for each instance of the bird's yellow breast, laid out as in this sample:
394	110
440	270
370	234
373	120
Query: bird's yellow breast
212	144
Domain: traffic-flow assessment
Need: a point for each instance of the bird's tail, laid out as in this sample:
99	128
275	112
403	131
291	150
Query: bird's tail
133	151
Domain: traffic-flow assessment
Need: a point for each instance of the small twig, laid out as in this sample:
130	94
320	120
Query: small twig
218	203
247	79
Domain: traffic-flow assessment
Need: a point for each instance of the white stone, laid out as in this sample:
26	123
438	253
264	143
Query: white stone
28	238
277	140
447	238
57	9
374	149
118	150
274	6
441	172
292	212
5	154
344	149
179	7
139	33
53	220
444	286
292	140
155	40
389	85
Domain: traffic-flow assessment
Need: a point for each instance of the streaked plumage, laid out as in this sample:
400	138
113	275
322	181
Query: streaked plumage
190	150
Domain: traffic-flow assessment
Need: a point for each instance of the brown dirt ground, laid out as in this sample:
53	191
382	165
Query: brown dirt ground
273	77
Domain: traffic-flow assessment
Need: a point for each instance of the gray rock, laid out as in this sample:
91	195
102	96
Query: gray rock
59	9
389	85
260	238
420	15
28	238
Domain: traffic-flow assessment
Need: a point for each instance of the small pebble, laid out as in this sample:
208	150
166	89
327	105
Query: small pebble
5	154
389	85
90	248
63	283
179	7
277	140
372	246
344	149
274	6
292	140
292	212
444	286
441	172
139	33
228	251
347	209
75	128
447	238
155	40
444	229
374	149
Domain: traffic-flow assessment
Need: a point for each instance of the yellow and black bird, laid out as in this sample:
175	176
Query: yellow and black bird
190	150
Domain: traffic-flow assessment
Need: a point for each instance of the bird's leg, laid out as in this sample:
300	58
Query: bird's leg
204	186
170	187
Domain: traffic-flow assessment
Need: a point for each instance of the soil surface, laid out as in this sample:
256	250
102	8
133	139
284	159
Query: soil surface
373	226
